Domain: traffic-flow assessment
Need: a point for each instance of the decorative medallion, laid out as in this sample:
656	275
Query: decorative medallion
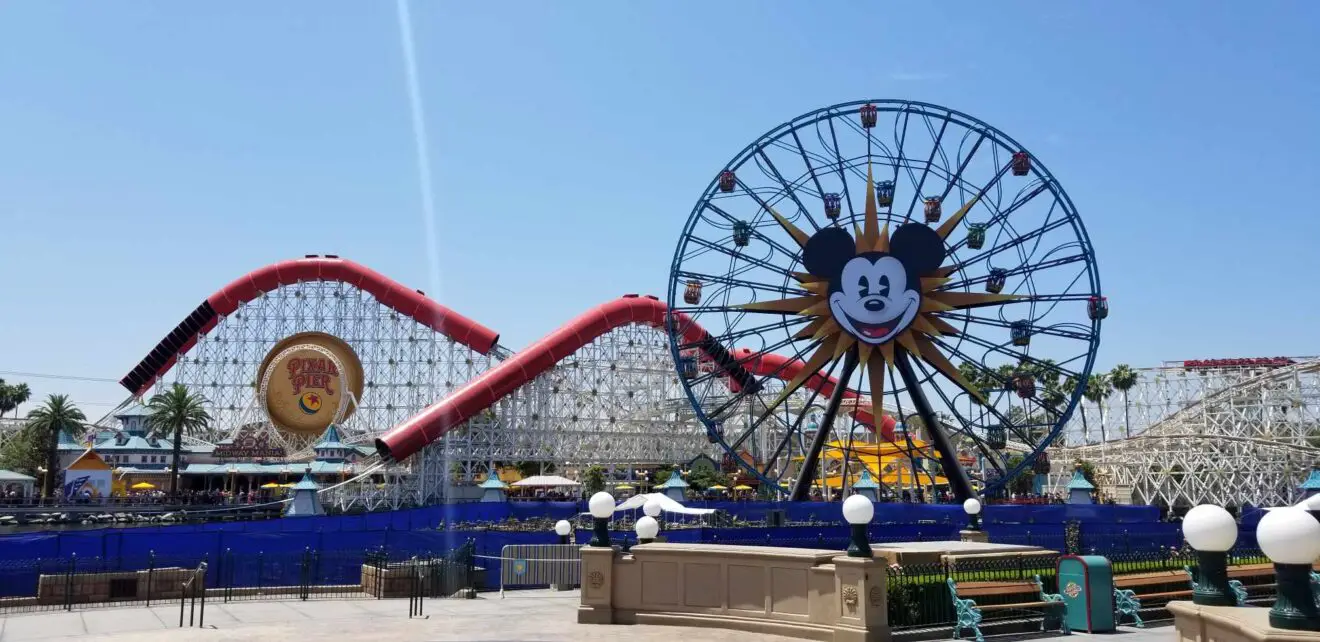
850	597
596	579
876	596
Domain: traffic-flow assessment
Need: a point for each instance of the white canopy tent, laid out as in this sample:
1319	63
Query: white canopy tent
667	504
546	481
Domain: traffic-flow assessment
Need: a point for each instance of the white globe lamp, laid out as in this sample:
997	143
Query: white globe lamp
601	506
858	512
972	506
652	508
647	528
1291	539
1212	531
563	529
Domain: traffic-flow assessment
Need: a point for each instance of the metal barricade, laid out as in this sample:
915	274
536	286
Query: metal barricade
527	565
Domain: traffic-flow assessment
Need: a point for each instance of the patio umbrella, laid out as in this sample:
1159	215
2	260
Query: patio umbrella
143	486
270	485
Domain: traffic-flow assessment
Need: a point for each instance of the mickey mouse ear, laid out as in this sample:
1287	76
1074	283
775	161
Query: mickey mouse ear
827	251
918	247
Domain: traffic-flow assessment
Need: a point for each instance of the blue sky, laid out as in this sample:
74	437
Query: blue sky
152	151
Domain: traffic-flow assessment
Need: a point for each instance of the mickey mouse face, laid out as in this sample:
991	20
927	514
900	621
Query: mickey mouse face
874	296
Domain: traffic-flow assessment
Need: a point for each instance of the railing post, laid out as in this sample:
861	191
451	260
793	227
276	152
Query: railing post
151	573
68	582
227	581
201	617
261	569
302	574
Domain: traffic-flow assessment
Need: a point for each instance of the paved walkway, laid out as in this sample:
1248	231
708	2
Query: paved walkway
525	615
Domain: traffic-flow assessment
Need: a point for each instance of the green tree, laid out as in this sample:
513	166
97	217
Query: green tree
57	415
703	478
1124	379
25	452
1025	481
177	411
593	481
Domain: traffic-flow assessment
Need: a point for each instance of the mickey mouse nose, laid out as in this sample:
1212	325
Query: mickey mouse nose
874	305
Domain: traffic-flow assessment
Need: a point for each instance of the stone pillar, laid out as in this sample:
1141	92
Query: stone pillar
597	605
974	536
863	606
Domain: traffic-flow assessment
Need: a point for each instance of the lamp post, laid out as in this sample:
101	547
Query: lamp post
1291	539
858	511
563	529
1212	531
647	528
601	506
973	509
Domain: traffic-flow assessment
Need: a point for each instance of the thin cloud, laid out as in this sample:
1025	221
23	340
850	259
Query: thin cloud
918	76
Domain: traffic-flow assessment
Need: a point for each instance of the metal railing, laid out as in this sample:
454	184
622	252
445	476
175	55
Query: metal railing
919	594
93	582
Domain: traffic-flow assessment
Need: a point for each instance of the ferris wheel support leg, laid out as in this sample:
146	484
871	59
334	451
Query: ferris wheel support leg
953	471
809	463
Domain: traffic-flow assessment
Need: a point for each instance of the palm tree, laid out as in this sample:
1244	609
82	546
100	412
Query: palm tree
1098	388
19	395
177	411
1124	379
57	415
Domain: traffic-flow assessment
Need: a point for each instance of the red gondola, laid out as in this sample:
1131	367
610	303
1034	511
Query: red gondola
869	113
1025	385
692	293
1097	307
1021	163
933	211
727	181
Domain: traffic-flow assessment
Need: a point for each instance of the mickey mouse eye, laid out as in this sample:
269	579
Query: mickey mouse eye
865	287
882	285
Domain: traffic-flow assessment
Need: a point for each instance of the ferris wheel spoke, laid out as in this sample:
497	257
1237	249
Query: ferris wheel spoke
806	161
755	230
742	257
899	153
785	324
1020	357
967	428
1002	215
847	195
787	188
916	194
794	428
1015	242
1009	272
751	285
957	175
1049	330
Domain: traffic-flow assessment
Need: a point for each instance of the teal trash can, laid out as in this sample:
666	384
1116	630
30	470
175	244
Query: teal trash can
1086	583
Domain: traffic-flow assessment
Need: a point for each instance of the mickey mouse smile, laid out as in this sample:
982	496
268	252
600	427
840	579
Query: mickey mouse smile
876	331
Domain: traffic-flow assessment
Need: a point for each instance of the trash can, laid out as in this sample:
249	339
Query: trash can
1086	583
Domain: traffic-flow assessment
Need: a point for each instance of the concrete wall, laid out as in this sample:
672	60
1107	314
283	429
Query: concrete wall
807	593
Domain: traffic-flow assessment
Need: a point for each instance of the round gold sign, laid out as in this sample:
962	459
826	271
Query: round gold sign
309	381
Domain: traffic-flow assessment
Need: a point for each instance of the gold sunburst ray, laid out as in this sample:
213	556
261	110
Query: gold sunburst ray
961	300
798	235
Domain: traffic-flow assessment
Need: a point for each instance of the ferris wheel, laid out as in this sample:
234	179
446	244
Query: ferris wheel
915	254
